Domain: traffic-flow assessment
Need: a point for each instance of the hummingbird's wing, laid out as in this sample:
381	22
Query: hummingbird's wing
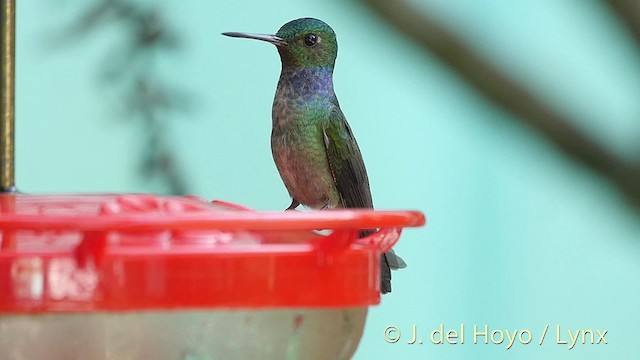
345	162
350	177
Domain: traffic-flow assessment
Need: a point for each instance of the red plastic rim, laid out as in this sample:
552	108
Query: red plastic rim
139	252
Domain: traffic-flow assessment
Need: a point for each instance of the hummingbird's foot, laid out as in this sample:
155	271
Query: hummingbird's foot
293	206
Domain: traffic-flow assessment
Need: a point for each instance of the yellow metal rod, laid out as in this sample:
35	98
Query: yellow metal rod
7	135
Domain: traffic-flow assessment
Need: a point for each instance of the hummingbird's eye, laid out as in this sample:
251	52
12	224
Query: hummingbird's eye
310	40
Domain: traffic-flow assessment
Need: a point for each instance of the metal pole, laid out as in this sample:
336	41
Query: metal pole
7	125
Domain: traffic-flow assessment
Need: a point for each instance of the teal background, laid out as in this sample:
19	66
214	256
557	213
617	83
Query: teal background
518	236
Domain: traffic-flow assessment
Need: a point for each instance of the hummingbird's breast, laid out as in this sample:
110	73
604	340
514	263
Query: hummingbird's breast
304	100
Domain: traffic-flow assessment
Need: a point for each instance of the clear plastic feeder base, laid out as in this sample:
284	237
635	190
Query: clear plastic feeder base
185	335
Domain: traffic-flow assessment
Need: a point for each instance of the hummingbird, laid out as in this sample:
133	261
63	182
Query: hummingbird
312	144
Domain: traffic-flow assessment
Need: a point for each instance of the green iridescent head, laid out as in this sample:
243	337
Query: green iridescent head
305	42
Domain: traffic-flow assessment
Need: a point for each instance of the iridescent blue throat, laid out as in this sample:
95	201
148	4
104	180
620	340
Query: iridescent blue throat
307	84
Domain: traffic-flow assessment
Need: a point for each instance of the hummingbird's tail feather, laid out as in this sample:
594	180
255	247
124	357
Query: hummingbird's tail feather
388	261
395	261
385	274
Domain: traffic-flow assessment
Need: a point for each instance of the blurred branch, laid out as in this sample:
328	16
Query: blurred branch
629	12
131	70
511	96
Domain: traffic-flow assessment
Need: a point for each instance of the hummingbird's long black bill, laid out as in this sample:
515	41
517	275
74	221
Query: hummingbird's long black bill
275	40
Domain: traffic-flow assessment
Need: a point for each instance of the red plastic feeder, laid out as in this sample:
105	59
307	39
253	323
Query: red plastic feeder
141	276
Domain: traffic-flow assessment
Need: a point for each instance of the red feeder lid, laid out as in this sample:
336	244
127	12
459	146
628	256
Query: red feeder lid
71	253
